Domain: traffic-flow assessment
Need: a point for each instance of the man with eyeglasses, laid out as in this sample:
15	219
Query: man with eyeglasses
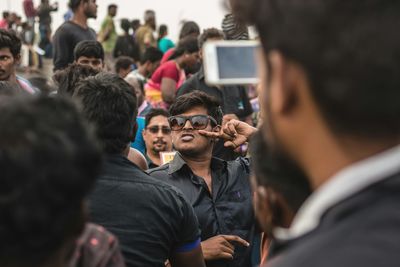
218	190
157	136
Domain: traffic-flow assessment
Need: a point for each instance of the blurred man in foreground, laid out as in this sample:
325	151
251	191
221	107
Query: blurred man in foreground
331	105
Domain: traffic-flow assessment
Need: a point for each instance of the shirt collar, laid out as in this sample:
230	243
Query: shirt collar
200	73
342	185
178	162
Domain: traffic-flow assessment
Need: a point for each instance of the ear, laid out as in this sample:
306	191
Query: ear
283	83
17	59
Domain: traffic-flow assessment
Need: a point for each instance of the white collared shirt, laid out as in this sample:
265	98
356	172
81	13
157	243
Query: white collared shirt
342	185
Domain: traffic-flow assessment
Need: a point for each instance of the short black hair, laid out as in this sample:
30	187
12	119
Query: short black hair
67	79
123	62
111	6
89	48
6	14
74	4
109	103
349	51
8	39
188	44
189	28
154	113
49	163
271	169
162	30
197	98
125	25
210	33
151	54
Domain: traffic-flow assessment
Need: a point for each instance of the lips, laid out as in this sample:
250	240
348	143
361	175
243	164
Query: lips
187	137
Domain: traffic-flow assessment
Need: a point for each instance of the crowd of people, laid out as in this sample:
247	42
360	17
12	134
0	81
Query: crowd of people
128	157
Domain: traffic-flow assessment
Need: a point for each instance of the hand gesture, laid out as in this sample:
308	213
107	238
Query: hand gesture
221	247
234	132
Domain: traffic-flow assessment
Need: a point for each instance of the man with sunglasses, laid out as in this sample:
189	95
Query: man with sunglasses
218	190
157	136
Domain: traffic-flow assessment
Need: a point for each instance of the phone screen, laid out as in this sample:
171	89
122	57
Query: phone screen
236	62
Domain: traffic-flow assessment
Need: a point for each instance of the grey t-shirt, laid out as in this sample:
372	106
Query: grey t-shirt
67	36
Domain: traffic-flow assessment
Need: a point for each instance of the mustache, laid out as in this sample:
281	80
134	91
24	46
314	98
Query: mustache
159	141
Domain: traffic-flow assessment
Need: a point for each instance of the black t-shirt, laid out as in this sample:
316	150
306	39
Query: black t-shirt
67	36
151	219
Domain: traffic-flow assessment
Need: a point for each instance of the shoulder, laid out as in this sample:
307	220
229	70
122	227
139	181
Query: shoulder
159	171
26	85
241	163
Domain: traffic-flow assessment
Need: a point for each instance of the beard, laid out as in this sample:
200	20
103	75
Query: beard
90	14
159	146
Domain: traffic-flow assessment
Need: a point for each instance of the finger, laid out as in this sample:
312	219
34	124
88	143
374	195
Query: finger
225	255
226	244
235	238
229	129
228	249
235	143
210	134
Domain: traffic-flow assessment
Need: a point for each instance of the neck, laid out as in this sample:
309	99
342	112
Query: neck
154	157
200	165
80	19
179	61
142	70
339	155
13	79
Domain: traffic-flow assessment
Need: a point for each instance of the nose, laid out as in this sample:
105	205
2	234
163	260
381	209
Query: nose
188	125
159	133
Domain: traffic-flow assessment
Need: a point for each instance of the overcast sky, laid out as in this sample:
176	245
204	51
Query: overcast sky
207	13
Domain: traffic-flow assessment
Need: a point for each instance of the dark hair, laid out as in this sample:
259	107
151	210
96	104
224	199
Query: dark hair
111	6
67	79
151	54
197	98
6	14
48	165
162	31
123	62
350	52
74	4
188	44
89	48
154	113
9	39
110	105
210	34
135	23
271	169
125	25
189	28
149	15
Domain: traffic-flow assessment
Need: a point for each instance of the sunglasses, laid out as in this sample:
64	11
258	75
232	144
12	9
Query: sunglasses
198	122
156	129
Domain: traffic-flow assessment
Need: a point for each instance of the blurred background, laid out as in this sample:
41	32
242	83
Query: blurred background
207	13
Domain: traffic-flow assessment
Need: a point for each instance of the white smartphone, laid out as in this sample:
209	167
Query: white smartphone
230	62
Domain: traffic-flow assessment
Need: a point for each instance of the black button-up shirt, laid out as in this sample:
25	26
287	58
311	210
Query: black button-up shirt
151	218
227	210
